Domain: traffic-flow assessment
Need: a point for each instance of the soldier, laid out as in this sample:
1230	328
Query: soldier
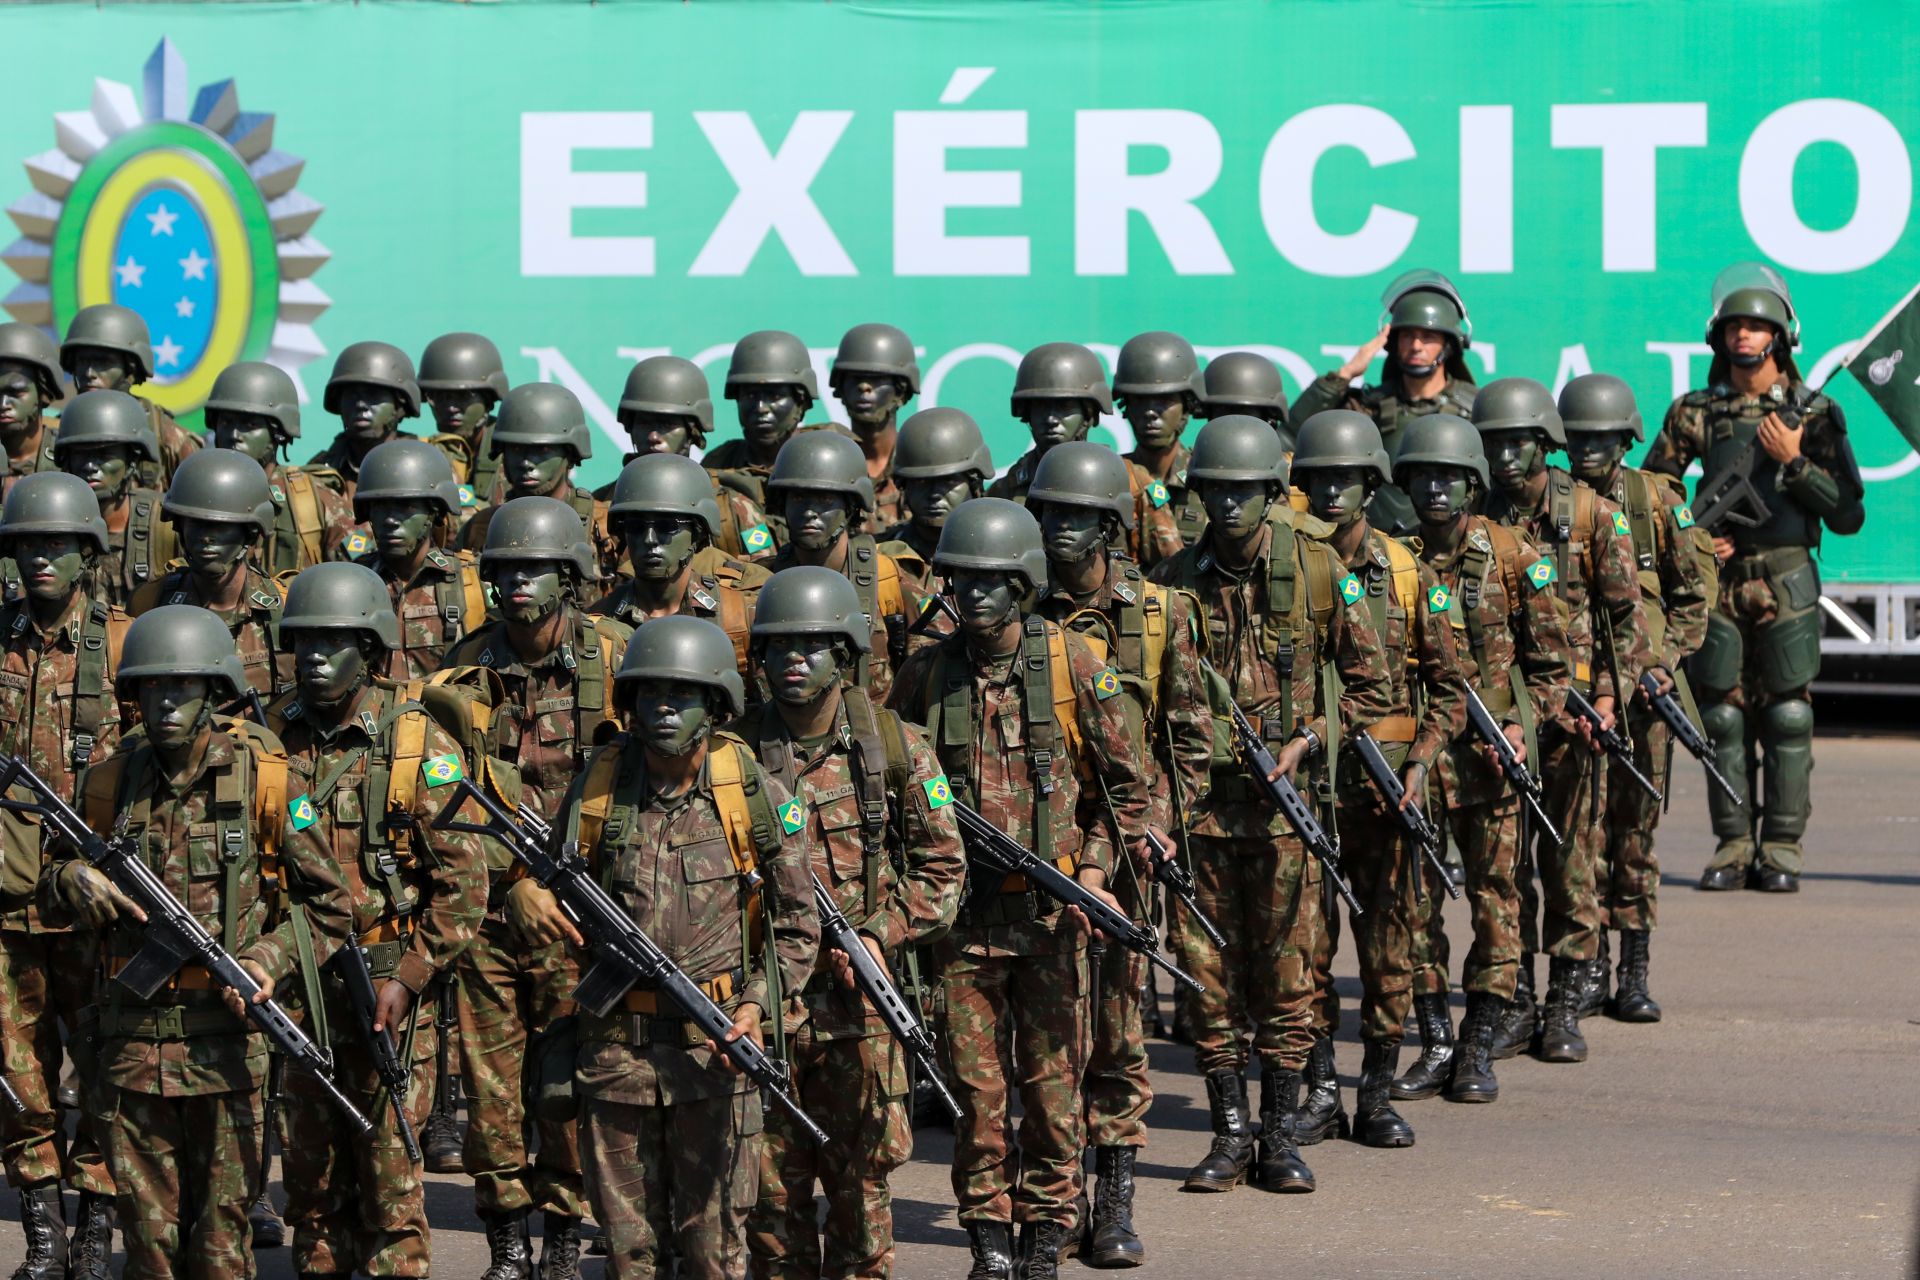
1671	557
254	409
1340	463
872	795
1060	391
29	386
1149	635
58	712
1157	382
206	797
1589	560
1246	382
770	380
1252	873
666	407
372	389
108	348
1011	707
1424	331
556	663
874	376
365	765
104	438
462	379
825	496
540	437
408	496
1514	634
1762	647
680	825
221	511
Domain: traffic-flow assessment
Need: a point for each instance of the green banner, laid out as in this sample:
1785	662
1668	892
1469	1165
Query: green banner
589	184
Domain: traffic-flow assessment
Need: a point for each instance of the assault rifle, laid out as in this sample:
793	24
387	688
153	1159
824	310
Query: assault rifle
173	936
1510	763
1412	820
1612	741
1730	497
623	954
357	976
1179	882
1698	745
12	1099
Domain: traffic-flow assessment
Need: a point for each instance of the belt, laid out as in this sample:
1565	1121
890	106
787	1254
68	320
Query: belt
645	1000
1018	882
170	1022
1758	563
392	929
191	977
1394	729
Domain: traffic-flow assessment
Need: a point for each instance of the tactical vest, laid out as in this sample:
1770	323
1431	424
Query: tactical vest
1733	424
149	542
459	596
585	653
102	631
1491	548
1573	514
153	474
299	528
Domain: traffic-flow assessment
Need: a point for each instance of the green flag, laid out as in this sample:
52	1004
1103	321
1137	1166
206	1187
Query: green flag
1887	364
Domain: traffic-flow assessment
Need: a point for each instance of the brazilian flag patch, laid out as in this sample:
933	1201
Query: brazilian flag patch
1683	517
301	811
467	496
939	793
441	770
1439	598
793	816
358	543
1157	494
1620	527
756	539
1351	590
1542	574
1106	684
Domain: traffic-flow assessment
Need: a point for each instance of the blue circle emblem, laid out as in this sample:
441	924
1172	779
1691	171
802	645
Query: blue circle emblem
164	268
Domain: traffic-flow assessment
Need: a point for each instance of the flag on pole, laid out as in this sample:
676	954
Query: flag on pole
1887	364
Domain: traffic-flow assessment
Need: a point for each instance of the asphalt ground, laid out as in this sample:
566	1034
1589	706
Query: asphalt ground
1767	1127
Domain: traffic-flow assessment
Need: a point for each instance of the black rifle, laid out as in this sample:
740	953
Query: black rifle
357	976
1731	498
871	977
1007	856
1179	882
624	956
1510	763
1698	745
1413	821
173	936
1612	741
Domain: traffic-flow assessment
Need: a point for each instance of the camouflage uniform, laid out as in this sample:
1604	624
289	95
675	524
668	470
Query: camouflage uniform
744	533
176	445
885	598
1181	503
1154	537
439	605
138	551
475	465
608	554
734	469
310	519
336	464
721	590
41	459
1388	509
255	624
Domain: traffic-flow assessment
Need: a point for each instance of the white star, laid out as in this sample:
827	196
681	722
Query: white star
193	266
184	308
130	272
162	219
164	352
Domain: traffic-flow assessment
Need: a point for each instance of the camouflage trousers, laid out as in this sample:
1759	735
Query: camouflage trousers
683	1175
855	1088
1377	867
507	993
1488	837
1116	1088
1630	869
1264	894
46	987
1568	886
186	1170
356	1205
1016	1021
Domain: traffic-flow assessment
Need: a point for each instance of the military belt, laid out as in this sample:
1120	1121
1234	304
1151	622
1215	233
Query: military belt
169	1022
718	989
191	977
1394	729
1747	566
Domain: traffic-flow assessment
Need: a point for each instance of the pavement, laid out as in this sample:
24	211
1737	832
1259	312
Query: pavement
1766	1127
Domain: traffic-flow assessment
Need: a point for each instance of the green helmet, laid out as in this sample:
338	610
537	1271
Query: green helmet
1060	371
110	328
771	358
1080	473
826	460
809	600
1340	438
670	385
223	485
997	535
1754	290
406	468
1599	402
542	413
53	502
683	648
1237	447
105	417
535	528
1235	381
1441	439
29	345
1157	363
256	387
1518	404
179	640
881	349
1425	299
463	362
940	442
373	364
341	595
666	484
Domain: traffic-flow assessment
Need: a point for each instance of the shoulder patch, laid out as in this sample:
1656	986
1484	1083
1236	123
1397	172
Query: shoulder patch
467	496
358	543
756	539
1542	574
1479	540
1351	590
441	770
1621	529
278	494
1438	598
1157	494
301	813
939	792
1683	517
1106	684
793	815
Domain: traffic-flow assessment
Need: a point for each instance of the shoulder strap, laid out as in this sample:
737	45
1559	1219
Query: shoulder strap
596	794
304	504
1406	575
876	776
1647	532
92	699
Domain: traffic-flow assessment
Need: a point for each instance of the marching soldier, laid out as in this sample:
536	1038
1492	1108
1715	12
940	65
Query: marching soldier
29	386
373	390
1758	417
541	435
104	438
941	461
770	380
695	841
108	348
1283	637
874	376
872	794
254	409
408	498
1012	704
462	380
1157	383
1249	383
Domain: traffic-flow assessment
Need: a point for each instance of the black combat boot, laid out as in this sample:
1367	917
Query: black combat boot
1516	1028
509	1248
43	1219
1224	1166
1114	1243
1038	1255
1631	1003
1375	1122
1593	983
992	1246
560	1248
1321	1115
91	1247
268	1227
1430	1070
440	1141
1473	1079
1560	1038
1278	1167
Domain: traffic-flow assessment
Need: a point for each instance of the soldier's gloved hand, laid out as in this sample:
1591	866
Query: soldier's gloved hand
1364	356
391	1006
238	1007
1415	781
746	1022
1663	684
843	963
535	913
1093	881
96	899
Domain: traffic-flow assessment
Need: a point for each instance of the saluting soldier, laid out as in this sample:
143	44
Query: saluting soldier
874	376
104	438
254	409
108	348
408	498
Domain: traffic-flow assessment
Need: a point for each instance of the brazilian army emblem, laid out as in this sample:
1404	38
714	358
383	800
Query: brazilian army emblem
178	206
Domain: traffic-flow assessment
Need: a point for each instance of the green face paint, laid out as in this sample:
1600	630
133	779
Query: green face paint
1592	455
1053	422
658	432
768	415
872	400
801	668
213	547
248	433
816	519
328	664
1071	535
1236	507
368	414
1157	420
105	467
1337	495
1512	456
931	501
174	709
671	717
50	563
987	600
528	590
98	369
401	526
534	470
1439	493
21	401
659	545
461	411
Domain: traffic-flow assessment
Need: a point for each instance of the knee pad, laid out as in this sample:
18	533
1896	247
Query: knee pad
1786	720
1724	722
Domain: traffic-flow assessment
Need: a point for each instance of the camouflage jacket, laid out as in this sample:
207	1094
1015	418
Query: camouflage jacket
138	551
608	554
743	534
310	519
721	589
1391	410
884	597
913	556
1189	514
1154	536
41	459
474	464
734	471
336	464
444	601
1673	559
176	445
255	624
